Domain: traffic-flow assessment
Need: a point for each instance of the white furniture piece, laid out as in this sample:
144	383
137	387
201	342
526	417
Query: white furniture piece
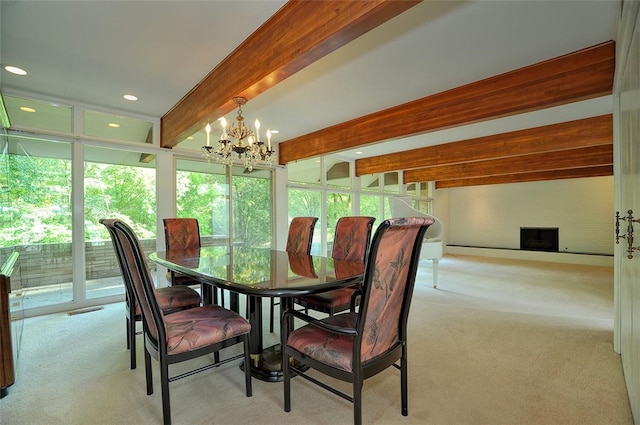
432	246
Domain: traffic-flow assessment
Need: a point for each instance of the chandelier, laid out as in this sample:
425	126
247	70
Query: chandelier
239	142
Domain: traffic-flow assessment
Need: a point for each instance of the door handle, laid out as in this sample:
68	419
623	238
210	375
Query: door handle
629	236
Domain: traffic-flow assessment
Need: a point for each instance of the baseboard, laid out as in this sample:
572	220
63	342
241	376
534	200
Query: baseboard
516	254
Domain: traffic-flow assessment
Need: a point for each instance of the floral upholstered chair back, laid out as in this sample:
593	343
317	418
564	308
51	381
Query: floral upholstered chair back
352	238
388	283
301	234
181	233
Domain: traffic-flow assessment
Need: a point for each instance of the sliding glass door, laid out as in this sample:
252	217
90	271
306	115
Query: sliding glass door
231	205
117	184
35	200
252	207
202	192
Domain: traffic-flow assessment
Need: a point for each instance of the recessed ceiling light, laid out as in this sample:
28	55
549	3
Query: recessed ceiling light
114	125
27	109
359	153
130	97
15	70
274	132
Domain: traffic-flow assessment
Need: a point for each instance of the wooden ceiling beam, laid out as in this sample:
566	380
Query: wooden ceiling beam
558	160
580	75
573	173
568	135
300	33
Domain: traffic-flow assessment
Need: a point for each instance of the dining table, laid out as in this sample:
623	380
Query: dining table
261	273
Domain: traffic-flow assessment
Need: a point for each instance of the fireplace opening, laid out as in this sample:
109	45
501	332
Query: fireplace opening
539	239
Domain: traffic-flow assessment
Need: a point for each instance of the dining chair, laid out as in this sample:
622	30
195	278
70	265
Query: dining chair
354	346
300	234
350	243
170	299
183	335
184	233
299	241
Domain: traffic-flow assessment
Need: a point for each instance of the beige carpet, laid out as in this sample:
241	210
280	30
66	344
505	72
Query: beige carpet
500	342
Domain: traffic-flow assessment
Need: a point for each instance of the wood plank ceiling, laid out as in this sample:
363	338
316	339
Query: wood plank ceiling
581	148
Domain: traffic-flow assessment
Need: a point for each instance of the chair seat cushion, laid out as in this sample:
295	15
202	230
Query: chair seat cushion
328	300
326	347
194	328
175	298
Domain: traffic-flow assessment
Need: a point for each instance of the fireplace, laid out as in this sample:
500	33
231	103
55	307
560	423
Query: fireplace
539	239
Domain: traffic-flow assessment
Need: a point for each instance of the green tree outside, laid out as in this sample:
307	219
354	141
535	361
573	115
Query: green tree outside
36	200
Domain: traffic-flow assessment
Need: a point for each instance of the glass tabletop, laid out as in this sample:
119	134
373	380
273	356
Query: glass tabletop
261	271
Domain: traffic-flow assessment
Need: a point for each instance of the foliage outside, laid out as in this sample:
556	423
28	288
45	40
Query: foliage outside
205	196
36	203
36	200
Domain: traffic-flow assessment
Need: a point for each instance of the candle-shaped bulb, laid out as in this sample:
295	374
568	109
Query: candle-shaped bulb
223	123
250	139
268	139
208	130
257	124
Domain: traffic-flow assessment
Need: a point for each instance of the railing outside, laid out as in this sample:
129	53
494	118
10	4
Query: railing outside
51	264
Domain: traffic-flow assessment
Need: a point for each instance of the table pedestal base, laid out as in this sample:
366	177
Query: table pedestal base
267	366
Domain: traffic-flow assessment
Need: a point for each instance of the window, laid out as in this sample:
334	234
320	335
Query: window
202	192
370	183
307	203
117	184
338	173
391	182
370	205
66	258
63	168
252	207
421	196
306	172
341	194
36	215
116	127
338	205
38	114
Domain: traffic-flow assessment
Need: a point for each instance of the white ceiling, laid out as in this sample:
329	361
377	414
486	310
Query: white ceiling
94	52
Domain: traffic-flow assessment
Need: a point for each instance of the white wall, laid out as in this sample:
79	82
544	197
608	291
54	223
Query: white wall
491	216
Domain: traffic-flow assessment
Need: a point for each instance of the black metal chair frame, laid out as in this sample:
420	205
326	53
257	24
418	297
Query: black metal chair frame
360	371
159	350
